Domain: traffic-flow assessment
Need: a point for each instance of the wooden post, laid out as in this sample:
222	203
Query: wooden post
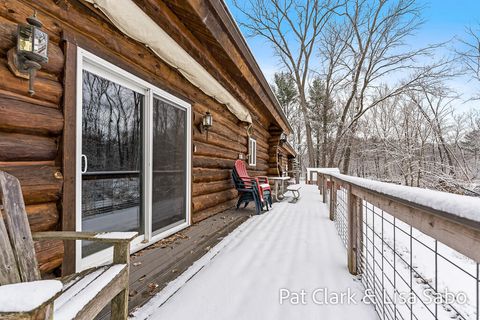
69	151
333	194
121	255
354	233
324	189
359	248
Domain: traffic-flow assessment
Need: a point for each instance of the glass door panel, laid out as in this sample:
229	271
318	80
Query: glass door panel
169	165
112	130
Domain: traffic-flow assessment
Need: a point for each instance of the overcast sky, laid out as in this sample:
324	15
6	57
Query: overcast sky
444	20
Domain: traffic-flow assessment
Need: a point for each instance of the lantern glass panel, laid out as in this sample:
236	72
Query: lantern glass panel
40	43
207	120
25	38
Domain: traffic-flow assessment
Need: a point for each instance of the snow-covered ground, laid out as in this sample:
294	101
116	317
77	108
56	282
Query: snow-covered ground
263	268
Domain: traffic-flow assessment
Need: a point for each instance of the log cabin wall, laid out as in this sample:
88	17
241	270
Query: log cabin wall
33	129
30	133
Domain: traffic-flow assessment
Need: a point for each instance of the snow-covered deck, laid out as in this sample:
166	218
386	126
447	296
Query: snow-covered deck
291	248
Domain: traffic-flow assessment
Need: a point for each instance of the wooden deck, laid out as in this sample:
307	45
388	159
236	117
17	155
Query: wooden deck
292	247
153	267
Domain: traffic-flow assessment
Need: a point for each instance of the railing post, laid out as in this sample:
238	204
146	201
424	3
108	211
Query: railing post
354	244
333	199
324	189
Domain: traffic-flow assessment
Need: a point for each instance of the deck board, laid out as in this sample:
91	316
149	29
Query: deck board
153	267
292	249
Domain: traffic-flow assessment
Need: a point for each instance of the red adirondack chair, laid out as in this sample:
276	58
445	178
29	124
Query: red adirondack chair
262	181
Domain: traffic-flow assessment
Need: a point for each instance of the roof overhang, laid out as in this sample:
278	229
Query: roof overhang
136	24
212	23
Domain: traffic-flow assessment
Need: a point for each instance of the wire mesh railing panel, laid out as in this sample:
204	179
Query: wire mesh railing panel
341	214
409	275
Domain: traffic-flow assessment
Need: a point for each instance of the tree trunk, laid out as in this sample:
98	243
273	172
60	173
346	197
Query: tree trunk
324	131
308	128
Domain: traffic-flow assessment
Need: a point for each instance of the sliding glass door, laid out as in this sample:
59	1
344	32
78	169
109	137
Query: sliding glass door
112	125
169	165
133	165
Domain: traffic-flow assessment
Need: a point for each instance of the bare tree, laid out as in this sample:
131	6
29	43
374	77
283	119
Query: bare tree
292	27
375	36
470	56
332	49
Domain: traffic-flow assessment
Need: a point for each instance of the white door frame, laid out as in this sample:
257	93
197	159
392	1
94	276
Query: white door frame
90	62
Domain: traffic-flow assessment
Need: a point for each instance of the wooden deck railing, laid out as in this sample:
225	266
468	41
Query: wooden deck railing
398	243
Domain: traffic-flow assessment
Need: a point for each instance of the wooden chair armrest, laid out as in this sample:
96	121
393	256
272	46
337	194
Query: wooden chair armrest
108	237
120	240
28	299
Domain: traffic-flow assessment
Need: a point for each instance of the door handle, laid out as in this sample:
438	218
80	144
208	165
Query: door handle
84	159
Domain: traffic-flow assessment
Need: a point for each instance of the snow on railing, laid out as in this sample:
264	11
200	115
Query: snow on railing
416	251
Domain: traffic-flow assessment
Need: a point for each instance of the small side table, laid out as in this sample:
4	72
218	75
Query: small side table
279	181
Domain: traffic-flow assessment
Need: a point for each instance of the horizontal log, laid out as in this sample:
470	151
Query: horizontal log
211	187
220	141
262	155
32	100
273	159
208	175
222	133
203	214
274	141
272	172
260	131
24	147
21	116
205	149
8	36
4	164
262	145
206	201
212	163
43	217
226	121
208	162
255	172
49	254
47	90
39	184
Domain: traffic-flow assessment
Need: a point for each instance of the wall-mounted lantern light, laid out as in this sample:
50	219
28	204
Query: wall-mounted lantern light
241	156
283	137
206	124
30	52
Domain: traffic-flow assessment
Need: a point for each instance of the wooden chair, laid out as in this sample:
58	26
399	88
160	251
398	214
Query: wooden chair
261	183
247	191
78	296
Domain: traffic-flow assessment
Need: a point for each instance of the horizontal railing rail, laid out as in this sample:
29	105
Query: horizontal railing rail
408	242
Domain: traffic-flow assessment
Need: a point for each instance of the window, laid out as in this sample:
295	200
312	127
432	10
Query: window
252	152
133	164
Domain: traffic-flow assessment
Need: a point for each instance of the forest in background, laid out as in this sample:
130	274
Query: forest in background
362	98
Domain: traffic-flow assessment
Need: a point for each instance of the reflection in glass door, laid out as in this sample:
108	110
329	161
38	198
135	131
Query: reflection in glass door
134	158
169	164
112	129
